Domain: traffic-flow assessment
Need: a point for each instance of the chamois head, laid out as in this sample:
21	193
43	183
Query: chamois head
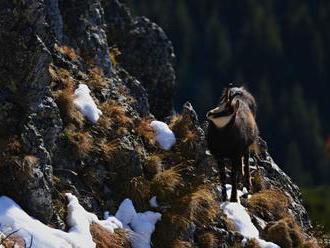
225	111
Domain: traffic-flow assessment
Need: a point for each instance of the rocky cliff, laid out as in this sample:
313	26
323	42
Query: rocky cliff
48	148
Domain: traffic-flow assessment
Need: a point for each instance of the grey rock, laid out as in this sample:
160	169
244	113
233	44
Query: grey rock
147	54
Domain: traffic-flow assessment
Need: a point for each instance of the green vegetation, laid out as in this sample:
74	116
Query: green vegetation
317	202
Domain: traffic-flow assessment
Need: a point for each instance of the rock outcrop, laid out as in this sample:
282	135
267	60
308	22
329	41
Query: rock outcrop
47	148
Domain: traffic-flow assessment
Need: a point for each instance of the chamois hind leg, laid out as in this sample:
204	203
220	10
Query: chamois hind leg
222	172
247	178
235	170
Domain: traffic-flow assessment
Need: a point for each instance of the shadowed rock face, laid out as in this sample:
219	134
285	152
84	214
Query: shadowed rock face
147	54
48	47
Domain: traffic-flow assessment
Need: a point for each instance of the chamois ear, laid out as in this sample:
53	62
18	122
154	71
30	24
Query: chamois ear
236	106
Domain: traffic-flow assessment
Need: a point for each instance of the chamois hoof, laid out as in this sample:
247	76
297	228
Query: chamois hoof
224	195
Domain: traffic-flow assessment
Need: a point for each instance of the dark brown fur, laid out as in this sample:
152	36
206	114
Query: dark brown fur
233	140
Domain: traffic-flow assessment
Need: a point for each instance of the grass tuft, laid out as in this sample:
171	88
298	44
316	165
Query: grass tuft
202	205
145	131
165	183
114	113
68	111
269	204
208	240
252	243
67	51
97	79
80	141
183	129
285	233
105	239
138	190
152	166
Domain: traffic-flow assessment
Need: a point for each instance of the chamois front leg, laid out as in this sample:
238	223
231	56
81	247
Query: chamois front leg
222	172
247	178
235	170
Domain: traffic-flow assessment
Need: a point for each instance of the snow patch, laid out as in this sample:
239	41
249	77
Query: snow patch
141	224
13	216
85	103
153	202
238	214
164	135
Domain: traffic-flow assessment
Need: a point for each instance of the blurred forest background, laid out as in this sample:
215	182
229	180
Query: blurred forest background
279	49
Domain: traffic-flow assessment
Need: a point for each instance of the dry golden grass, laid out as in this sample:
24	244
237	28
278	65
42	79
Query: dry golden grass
114	53
69	112
202	206
80	141
208	240
67	51
183	129
180	244
144	130
165	183
257	181
138	190
153	166
252	243
114	113
105	239
269	202
13	145
12	241
29	162
96	78
108	148
173	224
285	233
61	77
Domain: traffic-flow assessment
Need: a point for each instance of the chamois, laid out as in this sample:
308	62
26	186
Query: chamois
232	130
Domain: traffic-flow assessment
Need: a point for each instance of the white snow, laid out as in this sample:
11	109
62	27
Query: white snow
79	220
85	103
141	224
153	202
126	212
164	135
238	214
